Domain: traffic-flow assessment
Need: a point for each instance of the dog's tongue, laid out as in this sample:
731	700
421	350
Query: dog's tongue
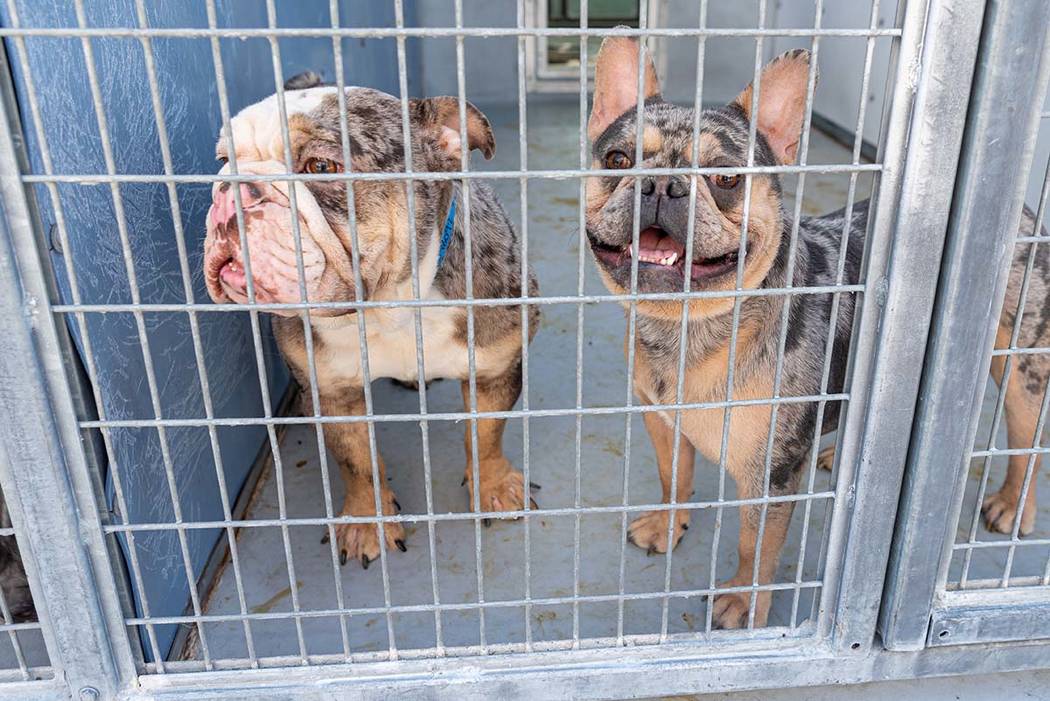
655	246
653	239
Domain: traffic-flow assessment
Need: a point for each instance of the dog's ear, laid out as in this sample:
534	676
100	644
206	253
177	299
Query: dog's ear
616	82
440	117
304	80
781	103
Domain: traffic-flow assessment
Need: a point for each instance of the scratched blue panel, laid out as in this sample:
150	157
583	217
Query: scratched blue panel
191	109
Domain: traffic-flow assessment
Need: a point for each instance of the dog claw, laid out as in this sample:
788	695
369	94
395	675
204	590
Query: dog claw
486	522
397	506
533	485
533	504
464	482
651	551
685	526
342	557
324	539
401	545
364	562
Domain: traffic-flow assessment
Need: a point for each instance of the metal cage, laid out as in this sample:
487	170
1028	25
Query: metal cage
872	592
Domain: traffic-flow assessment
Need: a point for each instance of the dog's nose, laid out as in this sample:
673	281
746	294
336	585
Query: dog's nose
648	186
661	186
223	204
677	187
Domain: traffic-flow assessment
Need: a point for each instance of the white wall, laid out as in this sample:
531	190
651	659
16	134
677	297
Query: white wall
1042	153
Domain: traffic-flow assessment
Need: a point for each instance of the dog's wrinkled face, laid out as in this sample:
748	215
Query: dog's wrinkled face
376	145
665	200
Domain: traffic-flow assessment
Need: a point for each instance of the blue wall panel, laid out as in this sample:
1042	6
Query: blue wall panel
191	109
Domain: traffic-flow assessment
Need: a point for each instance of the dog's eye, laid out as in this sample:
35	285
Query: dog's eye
222	159
726	182
322	166
617	160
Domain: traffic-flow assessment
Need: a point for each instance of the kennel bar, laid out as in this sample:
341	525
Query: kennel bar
945	48
1001	134
45	478
87	628
452	32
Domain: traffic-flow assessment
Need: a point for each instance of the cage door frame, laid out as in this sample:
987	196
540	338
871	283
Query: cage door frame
46	478
1002	126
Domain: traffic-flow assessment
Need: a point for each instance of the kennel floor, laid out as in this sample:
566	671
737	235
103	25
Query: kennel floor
553	241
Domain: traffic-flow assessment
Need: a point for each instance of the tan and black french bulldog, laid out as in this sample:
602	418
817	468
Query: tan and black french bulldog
716	236
383	229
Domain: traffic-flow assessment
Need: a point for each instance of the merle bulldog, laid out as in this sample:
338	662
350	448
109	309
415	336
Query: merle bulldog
719	213
383	230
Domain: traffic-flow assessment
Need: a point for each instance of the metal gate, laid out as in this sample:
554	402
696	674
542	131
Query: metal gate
885	600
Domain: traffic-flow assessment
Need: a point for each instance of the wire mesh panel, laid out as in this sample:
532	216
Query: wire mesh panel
23	656
347	231
497	591
1000	542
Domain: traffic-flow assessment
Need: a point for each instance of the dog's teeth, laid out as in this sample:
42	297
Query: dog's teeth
670	260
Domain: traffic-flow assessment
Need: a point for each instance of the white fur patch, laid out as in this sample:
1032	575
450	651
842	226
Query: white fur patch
257	128
391	345
296	101
391	336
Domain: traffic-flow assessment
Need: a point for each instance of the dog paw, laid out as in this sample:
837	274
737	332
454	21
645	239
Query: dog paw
1000	510
360	541
731	609
502	488
826	458
649	531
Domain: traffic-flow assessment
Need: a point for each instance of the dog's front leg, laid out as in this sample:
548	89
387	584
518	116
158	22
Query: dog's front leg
348	442
502	487
649	531
731	609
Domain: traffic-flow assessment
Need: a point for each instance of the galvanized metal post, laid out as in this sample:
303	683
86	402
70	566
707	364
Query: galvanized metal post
1000	140
924	132
45	479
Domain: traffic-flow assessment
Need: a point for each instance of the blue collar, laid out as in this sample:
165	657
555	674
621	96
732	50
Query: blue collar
446	233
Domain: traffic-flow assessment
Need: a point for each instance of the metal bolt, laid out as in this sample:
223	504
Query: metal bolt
54	240
89	693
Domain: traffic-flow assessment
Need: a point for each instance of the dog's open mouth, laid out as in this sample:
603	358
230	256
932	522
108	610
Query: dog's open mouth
657	250
232	274
234	282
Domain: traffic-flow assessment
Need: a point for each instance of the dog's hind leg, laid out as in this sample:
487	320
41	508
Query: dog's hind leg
649	531
1024	391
